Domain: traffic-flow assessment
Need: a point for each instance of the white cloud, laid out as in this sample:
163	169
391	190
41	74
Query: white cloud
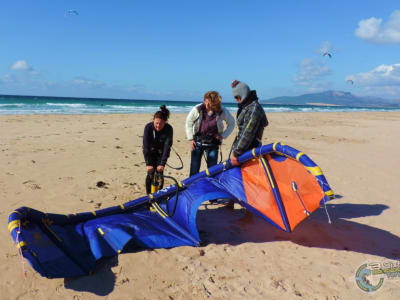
21	65
87	83
373	30
310	74
383	75
384	80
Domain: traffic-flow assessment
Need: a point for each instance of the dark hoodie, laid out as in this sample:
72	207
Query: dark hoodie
157	144
251	120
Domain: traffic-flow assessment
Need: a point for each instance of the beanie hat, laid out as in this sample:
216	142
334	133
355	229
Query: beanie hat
240	89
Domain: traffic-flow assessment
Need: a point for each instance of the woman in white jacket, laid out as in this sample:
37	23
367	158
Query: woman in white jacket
205	130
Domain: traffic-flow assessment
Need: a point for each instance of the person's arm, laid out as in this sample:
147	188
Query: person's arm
189	124
251	122
190	119
147	144
230	123
167	146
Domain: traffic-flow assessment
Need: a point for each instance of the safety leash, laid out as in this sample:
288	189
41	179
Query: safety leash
20	252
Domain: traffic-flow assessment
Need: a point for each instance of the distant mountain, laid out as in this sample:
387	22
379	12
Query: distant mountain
333	98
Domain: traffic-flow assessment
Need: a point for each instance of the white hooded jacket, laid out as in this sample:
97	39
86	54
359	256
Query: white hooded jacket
194	118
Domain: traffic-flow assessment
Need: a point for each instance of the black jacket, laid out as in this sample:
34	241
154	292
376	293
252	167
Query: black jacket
157	144
251	120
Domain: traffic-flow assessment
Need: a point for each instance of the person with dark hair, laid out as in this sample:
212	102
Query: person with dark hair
205	130
157	143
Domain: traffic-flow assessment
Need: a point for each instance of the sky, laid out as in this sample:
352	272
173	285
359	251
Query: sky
179	50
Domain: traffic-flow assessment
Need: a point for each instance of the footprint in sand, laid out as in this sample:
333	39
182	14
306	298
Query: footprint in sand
32	185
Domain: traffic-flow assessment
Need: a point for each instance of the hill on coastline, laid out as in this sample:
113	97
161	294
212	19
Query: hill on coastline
333	98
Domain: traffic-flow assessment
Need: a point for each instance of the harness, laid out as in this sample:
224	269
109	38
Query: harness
206	141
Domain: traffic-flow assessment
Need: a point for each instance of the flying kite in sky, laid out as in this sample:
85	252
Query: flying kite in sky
71	12
327	54
350	81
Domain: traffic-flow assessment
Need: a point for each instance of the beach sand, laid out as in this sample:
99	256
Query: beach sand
53	162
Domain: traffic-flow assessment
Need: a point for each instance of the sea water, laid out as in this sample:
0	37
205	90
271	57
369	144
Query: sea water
26	105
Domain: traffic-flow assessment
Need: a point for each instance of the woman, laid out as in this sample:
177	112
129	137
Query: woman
157	142
205	130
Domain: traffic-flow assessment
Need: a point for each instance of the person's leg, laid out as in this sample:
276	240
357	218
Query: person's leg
212	157
149	179
160	179
195	160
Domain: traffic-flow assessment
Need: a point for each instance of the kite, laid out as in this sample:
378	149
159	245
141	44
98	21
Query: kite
275	182
327	54
350	81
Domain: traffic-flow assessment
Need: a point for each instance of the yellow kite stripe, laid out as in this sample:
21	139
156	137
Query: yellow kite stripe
13	224
161	210
180	184
268	174
329	193
122	206
21	244
274	146
254	152
207	172
316	171
101	231
94	213
16	211
151	196
300	154
156	209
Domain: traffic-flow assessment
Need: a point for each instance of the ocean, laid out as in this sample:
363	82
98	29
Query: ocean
28	105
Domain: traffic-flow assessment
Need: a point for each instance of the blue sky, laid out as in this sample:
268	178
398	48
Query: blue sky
178	50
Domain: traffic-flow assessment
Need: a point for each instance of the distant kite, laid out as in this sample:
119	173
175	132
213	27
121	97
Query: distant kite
327	54
71	12
350	81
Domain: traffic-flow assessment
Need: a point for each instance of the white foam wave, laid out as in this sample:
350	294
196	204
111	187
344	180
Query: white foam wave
11	104
76	105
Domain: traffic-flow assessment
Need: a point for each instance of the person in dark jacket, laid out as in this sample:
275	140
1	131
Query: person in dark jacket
157	143
250	119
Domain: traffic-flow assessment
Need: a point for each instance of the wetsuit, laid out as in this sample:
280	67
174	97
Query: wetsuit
156	149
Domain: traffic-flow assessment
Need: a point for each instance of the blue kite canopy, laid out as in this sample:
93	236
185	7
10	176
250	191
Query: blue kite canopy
277	182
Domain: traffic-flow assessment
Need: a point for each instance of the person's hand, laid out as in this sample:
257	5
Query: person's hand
192	144
150	168
160	169
218	137
234	160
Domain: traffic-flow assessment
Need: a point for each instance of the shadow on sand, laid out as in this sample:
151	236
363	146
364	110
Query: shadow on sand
220	225
101	282
341	234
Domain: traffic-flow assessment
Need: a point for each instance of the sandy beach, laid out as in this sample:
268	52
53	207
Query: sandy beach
53	162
